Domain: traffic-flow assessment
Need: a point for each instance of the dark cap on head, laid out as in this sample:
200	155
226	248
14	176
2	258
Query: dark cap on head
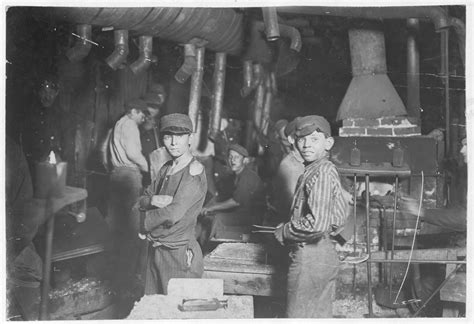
280	124
176	124
239	149
290	129
137	104
308	124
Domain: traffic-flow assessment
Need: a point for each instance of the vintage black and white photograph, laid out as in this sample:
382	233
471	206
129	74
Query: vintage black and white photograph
236	162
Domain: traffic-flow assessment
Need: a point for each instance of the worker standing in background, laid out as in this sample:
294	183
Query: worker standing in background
247	204
286	178
125	186
318	207
168	210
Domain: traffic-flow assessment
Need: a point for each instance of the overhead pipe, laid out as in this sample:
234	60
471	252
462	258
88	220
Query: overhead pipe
287	32
83	45
120	53
218	94
145	48
196	87
445	78
267	105
270	19
189	65
413	69
273	83
437	15
247	76
221	27
258	106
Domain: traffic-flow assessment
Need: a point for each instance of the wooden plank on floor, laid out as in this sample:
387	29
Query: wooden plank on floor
455	289
250	283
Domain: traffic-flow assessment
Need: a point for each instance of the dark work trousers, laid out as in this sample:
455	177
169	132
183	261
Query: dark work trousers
312	279
165	263
124	189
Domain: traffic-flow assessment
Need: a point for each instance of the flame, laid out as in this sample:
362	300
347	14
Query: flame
52	158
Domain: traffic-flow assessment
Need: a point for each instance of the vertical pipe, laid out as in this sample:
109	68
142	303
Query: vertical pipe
394	218
369	263
270	18
258	106
248	78
354	269
196	87
218	94
267	105
445	76
413	69
43	315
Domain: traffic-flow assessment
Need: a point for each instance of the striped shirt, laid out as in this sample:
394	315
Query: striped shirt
318	203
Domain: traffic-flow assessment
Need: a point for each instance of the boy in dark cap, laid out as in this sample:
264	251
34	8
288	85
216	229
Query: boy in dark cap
318	206
169	209
247	203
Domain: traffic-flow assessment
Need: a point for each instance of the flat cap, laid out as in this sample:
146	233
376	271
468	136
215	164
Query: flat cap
290	129
308	124
176	124
137	104
239	149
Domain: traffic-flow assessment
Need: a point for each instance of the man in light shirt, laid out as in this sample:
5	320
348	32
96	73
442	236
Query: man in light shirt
128	163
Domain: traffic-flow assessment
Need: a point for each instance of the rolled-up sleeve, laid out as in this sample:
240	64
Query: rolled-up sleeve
189	193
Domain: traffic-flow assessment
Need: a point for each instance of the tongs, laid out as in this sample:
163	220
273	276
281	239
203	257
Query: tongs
263	229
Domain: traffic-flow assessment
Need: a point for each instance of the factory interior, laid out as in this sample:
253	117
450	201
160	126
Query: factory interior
391	82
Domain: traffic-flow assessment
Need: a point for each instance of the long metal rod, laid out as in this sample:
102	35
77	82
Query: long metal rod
437	289
417	261
390	278
445	75
369	269
196	87
43	315
354	269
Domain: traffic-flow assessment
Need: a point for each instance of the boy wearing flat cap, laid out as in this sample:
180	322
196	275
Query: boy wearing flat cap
318	205
248	199
169	209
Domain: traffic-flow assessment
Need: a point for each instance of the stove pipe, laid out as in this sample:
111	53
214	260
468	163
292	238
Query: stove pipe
371	94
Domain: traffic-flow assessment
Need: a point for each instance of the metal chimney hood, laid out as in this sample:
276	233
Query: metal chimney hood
371	94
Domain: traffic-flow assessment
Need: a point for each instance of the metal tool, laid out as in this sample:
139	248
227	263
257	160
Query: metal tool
196	305
260	227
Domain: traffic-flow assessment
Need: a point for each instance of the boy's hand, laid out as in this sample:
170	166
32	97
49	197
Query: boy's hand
279	233
161	201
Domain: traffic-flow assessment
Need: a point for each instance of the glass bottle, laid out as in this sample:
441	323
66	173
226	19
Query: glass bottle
355	155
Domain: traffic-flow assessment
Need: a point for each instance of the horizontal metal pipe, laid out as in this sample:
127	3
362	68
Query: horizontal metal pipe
120	53
83	44
437	15
221	27
418	261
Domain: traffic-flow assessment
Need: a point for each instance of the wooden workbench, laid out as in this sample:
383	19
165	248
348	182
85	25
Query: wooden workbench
245	269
